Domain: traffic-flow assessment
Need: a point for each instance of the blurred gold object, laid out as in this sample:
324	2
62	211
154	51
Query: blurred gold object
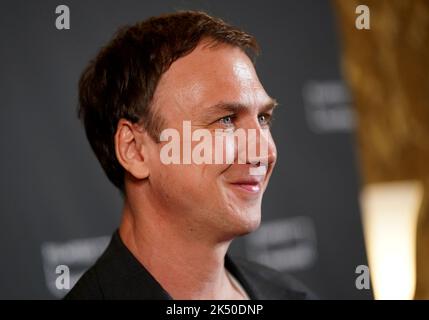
387	70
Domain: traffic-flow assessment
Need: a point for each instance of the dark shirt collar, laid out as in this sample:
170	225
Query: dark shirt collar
126	278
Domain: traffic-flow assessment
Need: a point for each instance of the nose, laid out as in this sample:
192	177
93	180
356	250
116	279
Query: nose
261	150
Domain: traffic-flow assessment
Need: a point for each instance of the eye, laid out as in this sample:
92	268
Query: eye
264	119
227	120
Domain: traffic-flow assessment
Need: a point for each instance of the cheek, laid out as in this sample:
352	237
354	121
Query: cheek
187	181
164	182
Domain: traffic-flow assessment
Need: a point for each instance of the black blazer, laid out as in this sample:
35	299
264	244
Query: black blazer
117	274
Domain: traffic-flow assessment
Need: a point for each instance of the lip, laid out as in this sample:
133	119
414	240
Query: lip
248	185
252	188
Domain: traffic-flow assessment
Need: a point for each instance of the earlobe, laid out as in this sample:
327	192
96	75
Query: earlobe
130	151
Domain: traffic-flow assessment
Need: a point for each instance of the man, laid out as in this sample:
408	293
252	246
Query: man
178	220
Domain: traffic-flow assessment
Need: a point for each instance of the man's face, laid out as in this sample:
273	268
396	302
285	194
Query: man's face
214	88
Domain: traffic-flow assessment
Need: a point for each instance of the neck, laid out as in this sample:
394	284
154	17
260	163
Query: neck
187	265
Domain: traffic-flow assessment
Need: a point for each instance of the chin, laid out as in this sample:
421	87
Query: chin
247	222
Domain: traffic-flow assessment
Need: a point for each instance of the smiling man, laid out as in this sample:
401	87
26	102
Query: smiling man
179	219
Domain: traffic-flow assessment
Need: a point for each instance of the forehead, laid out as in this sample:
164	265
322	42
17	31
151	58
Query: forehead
208	76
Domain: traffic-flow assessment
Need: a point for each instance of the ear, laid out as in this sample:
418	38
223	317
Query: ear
130	149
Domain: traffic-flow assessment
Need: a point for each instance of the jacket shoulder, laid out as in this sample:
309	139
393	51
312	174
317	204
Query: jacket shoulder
86	288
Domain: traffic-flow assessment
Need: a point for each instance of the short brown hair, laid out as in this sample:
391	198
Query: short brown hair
120	82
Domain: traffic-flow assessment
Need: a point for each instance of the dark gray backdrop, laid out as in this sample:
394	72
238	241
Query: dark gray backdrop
57	206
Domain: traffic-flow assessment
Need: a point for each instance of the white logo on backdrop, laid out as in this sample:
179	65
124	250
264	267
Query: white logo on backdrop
65	262
284	244
328	107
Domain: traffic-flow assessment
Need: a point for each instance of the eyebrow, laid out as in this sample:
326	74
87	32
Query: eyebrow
235	107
